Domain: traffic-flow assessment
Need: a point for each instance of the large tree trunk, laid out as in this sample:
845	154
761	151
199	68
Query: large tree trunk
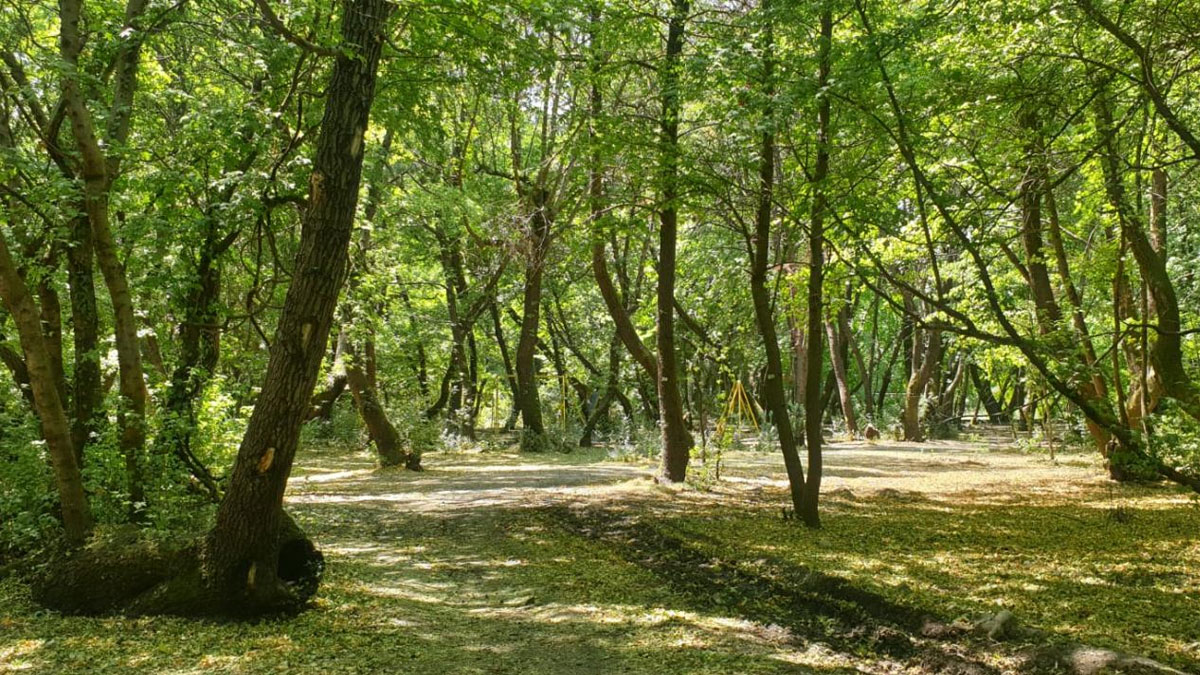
56	430
527	387
246	566
677	442
983	389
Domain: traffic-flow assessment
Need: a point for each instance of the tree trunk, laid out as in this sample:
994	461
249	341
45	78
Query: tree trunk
816	261
510	375
923	367
199	352
56	430
772	389
85	334
379	427
677	442
323	401
845	398
98	173
241	563
983	389
527	387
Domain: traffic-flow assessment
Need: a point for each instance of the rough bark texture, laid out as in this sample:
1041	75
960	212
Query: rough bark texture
85	334
77	518
677	442
255	561
528	400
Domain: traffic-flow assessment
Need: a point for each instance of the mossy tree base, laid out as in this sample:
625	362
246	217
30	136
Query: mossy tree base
128	573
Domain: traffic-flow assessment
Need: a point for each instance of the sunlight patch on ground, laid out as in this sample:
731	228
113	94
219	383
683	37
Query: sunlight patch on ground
13	658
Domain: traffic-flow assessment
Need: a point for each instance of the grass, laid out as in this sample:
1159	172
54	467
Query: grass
498	563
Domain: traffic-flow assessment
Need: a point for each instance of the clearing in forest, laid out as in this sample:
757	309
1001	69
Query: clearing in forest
503	563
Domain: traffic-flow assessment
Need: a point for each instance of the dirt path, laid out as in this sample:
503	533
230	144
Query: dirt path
500	563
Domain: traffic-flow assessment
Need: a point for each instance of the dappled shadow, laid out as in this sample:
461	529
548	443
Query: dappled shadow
500	563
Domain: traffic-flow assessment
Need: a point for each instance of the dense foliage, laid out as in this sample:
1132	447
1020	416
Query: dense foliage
582	219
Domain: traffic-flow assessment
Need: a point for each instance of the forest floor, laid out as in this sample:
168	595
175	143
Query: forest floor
493	562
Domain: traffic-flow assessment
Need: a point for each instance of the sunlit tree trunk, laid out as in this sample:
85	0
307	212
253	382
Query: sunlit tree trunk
98	172
56	430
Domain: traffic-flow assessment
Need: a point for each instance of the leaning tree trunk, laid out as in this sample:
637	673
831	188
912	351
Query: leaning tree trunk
379	427
246	567
842	377
510	375
56	430
677	442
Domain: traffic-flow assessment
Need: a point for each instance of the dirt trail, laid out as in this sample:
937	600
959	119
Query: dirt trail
501	563
458	481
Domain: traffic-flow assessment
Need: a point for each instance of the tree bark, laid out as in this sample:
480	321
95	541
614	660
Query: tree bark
98	173
927	354
773	392
85	334
845	398
677	441
379	427
816	278
56	430
240	565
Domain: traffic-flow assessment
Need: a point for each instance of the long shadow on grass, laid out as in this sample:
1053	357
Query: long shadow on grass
812	605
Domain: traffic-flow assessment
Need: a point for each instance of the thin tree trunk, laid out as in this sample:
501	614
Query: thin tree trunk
773	391
56	430
510	375
677	442
845	398
379	427
816	261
